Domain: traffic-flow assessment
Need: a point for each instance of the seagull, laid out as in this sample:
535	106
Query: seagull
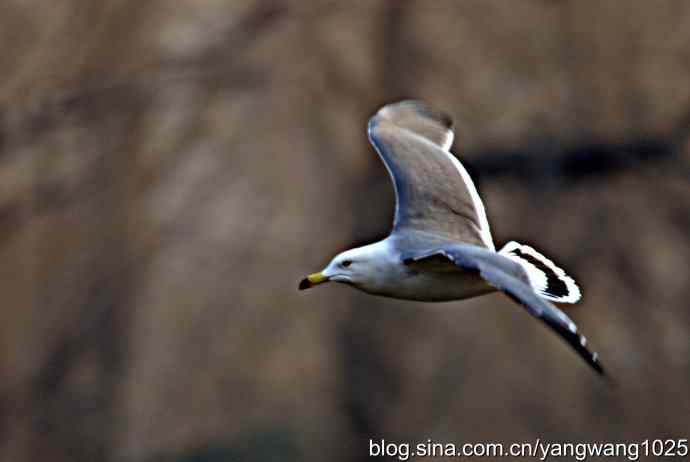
440	247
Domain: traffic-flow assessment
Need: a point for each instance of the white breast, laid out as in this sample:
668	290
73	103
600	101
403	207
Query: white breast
397	281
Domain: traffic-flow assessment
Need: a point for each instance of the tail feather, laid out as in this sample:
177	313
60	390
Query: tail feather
547	279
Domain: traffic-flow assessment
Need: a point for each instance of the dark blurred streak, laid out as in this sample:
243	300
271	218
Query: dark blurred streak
585	161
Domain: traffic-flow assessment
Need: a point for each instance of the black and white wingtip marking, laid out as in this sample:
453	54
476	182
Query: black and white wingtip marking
547	279
579	344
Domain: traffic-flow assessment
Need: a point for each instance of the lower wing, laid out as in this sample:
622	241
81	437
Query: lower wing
509	277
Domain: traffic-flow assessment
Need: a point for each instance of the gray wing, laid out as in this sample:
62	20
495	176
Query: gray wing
509	277
434	192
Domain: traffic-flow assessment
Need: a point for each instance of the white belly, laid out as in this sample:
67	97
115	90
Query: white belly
434	287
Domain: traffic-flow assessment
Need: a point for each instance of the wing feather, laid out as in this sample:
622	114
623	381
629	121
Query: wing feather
434	192
509	277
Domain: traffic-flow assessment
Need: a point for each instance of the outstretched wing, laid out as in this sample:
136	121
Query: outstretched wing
509	277
434	192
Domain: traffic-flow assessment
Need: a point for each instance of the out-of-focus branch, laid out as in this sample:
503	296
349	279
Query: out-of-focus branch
560	165
546	163
223	61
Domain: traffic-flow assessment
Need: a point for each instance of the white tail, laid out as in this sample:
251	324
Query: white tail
547	279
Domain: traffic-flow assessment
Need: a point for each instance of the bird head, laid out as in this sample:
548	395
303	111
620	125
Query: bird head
363	267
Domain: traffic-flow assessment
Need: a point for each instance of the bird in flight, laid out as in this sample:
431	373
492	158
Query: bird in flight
440	248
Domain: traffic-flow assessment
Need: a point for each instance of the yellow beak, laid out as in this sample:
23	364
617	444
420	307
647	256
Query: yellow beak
312	280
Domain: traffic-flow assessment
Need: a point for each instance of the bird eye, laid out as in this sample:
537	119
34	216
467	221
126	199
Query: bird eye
346	263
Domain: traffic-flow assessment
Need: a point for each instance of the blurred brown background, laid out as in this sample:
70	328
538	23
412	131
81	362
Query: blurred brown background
170	170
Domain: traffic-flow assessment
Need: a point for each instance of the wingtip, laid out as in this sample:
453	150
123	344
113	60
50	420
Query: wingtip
421	107
546	278
418	118
597	366
605	376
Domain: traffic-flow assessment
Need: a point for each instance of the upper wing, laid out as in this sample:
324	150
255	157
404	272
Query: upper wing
509	277
434	192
